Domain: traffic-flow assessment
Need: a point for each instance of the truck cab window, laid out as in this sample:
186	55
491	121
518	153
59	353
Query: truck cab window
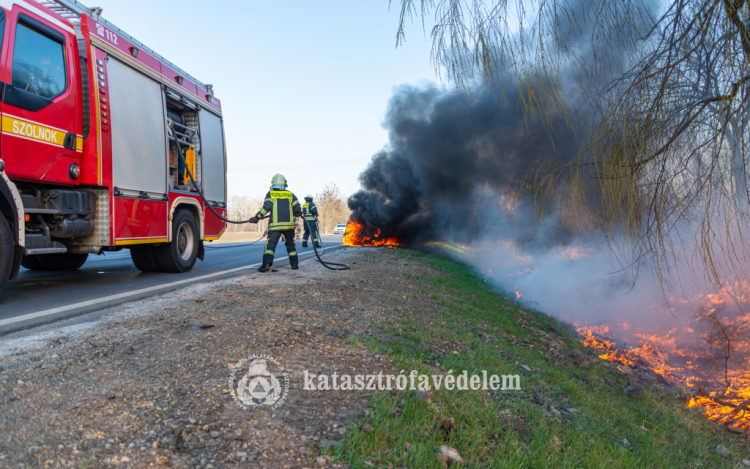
38	63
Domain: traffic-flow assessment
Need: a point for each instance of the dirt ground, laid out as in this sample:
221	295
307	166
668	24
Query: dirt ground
146	386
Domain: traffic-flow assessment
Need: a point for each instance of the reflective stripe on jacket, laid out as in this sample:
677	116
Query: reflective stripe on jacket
283	207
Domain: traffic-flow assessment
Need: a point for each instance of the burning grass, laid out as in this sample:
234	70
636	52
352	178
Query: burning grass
722	391
606	348
722	387
706	351
571	412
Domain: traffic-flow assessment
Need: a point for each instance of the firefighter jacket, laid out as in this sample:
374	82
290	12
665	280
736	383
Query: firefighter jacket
283	207
309	211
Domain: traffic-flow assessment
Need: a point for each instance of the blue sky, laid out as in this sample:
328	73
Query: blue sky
300	81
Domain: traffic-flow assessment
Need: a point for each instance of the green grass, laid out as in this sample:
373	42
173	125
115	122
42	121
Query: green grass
88	463
511	429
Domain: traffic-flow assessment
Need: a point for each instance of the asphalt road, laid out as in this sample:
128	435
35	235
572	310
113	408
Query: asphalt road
41	297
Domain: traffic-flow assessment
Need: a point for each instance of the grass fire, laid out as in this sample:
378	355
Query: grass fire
714	366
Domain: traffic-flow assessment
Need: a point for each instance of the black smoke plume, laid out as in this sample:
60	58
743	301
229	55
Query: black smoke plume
454	164
453	158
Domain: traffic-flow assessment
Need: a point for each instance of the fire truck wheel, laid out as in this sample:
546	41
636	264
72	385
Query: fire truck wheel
66	262
181	253
31	263
6	251
143	258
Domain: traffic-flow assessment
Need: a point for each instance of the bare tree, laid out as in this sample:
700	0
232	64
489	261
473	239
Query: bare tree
331	207
665	86
242	208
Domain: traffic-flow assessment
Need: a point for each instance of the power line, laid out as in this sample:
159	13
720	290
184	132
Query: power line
303	165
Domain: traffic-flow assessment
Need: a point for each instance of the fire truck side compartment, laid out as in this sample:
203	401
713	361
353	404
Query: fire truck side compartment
138	129
183	124
212	138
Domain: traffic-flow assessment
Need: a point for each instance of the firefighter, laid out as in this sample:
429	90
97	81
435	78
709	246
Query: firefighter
283	207
310	217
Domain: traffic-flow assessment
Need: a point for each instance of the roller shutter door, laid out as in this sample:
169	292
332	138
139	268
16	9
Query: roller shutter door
139	155
212	141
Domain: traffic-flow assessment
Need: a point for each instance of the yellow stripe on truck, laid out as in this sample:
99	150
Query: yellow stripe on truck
33	131
127	242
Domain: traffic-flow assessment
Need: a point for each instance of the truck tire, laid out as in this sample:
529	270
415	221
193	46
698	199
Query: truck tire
143	258
31	263
65	262
6	251
179	255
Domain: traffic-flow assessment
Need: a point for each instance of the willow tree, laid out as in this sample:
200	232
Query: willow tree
665	88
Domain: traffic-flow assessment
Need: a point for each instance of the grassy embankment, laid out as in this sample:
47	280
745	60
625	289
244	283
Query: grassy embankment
516	428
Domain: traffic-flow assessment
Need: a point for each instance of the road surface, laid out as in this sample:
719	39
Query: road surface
41	297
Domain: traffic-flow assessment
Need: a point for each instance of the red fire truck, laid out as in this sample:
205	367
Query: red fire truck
100	137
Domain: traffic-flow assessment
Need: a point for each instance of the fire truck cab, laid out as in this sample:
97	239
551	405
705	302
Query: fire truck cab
99	139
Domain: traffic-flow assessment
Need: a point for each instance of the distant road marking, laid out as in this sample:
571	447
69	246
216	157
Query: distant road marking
105	299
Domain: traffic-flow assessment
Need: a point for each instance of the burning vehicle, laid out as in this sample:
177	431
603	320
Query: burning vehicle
359	235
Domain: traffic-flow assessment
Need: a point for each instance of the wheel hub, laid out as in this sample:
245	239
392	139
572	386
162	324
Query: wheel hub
185	241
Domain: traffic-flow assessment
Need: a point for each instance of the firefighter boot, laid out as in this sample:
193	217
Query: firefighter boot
294	262
264	267
316	238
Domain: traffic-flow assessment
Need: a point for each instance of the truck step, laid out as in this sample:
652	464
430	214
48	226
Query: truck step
40	244
38	251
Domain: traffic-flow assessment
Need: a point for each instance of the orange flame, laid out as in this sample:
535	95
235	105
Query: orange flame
662	354
355	236
605	347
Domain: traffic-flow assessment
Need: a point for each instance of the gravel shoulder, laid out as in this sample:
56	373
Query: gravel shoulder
145	385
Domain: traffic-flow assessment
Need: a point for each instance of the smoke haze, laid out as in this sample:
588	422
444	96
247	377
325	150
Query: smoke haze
451	174
450	177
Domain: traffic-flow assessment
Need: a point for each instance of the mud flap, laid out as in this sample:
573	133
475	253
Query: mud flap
17	255
201	251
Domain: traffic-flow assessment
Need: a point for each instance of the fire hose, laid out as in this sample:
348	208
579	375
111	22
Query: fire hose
327	265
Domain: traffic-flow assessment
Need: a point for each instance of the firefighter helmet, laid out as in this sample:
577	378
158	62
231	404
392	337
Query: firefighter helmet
279	179
308	197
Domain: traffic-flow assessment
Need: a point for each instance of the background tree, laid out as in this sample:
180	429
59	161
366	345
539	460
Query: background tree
331	207
665	89
242	208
